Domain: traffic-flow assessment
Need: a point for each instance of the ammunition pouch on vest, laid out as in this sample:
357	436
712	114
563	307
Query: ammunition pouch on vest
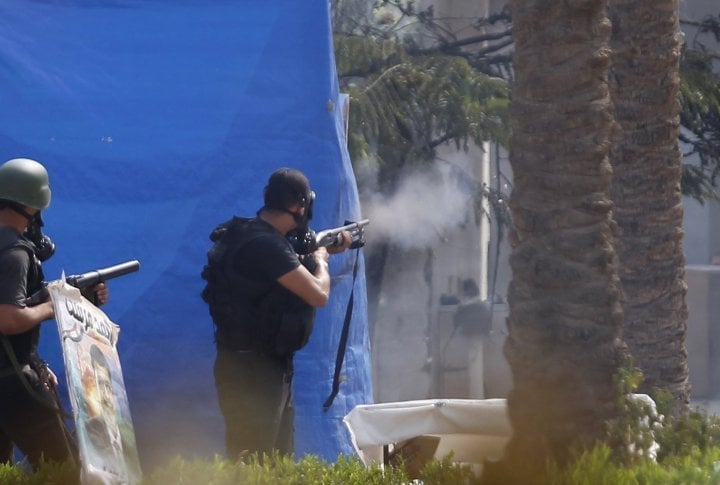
275	323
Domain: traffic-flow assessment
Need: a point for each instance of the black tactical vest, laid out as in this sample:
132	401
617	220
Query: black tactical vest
277	322
24	344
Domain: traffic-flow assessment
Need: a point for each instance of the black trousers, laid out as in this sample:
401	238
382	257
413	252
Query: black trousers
31	422
254	393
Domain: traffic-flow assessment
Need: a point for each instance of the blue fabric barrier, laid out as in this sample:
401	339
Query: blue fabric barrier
158	119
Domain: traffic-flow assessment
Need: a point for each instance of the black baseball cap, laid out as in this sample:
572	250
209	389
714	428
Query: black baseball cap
287	186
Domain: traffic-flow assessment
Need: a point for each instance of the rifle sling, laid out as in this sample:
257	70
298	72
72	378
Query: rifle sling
18	371
340	357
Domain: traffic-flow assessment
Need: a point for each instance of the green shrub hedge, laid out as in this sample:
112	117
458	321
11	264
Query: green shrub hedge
689	454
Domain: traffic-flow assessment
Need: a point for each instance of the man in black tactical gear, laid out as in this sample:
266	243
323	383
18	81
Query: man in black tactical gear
30	414
262	298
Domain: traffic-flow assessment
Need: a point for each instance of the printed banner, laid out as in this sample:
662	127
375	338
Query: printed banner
105	435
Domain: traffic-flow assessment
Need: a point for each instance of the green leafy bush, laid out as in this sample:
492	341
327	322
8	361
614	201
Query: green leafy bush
273	470
687	435
47	474
689	454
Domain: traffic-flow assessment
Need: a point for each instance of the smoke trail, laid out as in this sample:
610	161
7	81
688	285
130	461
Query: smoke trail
424	207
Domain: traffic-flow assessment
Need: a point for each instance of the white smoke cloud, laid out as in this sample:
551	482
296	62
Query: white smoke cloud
426	205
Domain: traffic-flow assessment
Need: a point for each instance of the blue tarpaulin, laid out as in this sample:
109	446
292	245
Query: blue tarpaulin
158	119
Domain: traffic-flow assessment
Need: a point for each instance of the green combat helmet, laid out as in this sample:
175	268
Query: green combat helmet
26	182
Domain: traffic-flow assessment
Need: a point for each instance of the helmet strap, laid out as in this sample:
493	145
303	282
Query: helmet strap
20	210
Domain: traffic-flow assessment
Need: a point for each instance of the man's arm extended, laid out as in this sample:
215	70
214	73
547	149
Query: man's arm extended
17	319
313	288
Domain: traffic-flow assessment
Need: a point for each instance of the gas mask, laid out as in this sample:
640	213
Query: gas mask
44	247
302	237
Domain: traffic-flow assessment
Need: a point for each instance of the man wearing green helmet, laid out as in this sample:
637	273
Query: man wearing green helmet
30	415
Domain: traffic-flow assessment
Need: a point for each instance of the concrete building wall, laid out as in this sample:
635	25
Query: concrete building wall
702	251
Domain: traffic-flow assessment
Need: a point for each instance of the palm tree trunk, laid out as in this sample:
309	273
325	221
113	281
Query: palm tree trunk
648	209
565	319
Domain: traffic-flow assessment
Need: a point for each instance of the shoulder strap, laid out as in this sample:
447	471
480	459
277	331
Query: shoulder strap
20	243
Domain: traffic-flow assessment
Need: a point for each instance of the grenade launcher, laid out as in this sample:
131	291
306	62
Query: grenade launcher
87	280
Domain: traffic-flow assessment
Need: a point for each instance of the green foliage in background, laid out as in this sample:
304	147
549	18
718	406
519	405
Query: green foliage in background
700	118
392	55
403	107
